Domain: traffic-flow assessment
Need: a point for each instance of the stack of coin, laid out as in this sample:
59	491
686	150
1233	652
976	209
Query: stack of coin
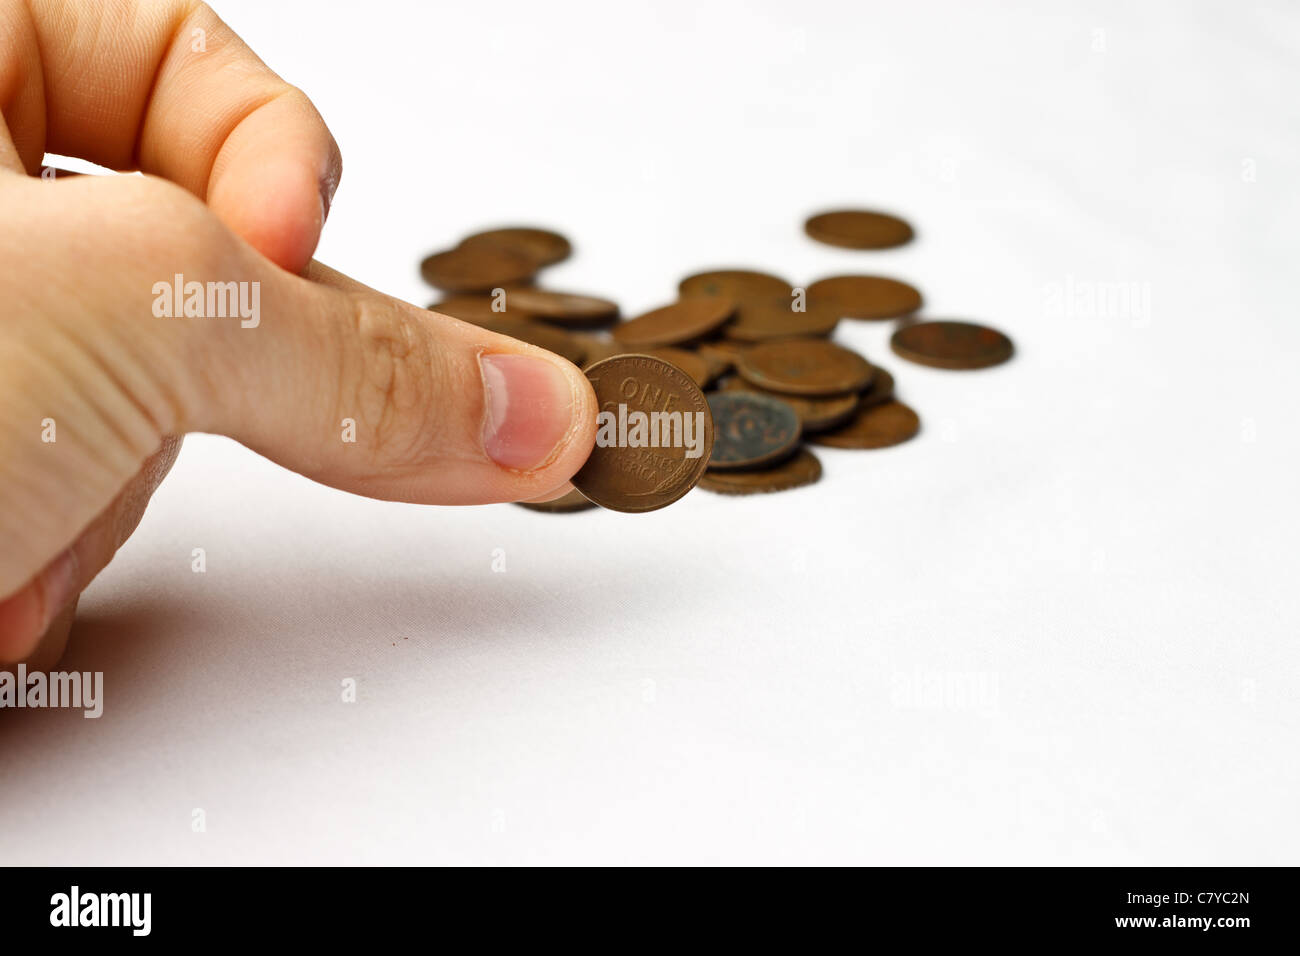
749	349
489	280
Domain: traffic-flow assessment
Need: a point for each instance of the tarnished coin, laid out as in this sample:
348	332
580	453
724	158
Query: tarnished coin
739	285
751	430
858	229
865	297
654	434
954	345
719	359
476	309
723	349
543	336
801	469
688	362
804	367
880	390
598	348
815	414
540	245
761	320
480	269
876	426
682	321
566	309
573	501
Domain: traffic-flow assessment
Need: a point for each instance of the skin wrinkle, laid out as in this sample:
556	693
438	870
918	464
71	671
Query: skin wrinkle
47	362
401	378
112	341
29	537
183	15
106	28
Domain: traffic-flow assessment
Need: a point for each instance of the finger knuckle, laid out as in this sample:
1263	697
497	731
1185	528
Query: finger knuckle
397	381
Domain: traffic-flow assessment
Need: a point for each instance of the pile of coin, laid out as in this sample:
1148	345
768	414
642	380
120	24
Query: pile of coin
748	351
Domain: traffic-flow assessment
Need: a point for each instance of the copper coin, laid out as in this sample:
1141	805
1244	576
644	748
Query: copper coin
815	414
858	229
654	435
865	297
540	245
723	350
563	308
955	345
802	468
719	359
760	320
599	348
876	426
543	336
480	269
475	309
804	367
880	390
739	285
682	321
573	501
688	362
695	366
751	430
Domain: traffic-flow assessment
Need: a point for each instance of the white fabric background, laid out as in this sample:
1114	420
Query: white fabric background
1100	534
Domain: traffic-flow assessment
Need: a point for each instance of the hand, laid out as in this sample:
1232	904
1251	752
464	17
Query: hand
96	387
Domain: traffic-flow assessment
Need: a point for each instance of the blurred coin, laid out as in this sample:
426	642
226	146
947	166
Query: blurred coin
739	285
877	426
573	501
688	362
804	367
682	321
543	336
880	390
476	309
952	345
723	349
865	297
598	348
751	430
858	229
640	461
480	269
815	414
759	320
719	360
563	308
802	468
539	245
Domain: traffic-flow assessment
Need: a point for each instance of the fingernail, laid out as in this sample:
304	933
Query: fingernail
60	582
529	403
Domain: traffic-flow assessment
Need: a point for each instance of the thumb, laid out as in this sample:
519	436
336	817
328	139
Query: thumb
372	395
345	385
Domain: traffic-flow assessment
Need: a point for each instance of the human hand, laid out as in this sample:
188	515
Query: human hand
96	387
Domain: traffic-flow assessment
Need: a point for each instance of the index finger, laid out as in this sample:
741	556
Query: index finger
166	87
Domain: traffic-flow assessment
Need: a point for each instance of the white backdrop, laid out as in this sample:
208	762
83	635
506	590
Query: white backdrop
1058	627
